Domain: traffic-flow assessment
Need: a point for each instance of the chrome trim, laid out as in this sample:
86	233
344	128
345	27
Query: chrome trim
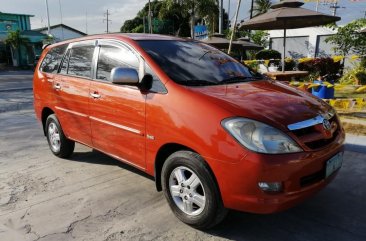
126	128
311	122
70	111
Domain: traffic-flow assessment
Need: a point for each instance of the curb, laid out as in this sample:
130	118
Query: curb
355	143
16	89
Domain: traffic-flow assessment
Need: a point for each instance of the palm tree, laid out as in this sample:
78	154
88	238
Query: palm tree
261	6
15	40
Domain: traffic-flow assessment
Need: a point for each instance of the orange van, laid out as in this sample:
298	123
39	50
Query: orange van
213	133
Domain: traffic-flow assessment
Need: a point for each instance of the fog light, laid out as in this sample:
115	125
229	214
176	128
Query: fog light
270	186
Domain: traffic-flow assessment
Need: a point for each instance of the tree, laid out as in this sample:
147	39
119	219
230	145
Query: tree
180	13
348	38
259	37
261	6
15	40
136	25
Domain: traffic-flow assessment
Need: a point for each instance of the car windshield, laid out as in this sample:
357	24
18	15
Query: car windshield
194	63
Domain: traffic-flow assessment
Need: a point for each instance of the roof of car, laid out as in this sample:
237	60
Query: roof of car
144	36
132	36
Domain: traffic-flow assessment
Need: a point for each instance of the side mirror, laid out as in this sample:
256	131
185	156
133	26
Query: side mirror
124	76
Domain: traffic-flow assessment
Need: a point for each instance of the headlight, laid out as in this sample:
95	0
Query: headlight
259	137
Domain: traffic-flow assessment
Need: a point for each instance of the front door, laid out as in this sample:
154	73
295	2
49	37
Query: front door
117	112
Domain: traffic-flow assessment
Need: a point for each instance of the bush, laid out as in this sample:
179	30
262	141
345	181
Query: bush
355	76
290	64
268	54
321	67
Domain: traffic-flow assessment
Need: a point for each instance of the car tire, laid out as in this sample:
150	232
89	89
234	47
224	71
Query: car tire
191	190
57	141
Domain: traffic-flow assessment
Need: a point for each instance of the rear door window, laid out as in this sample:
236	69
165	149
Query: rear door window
53	59
80	61
111	57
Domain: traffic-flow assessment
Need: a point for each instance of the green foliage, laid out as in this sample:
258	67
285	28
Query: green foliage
356	75
14	39
179	14
349	39
261	6
321	67
260	37
268	54
135	25
131	24
290	64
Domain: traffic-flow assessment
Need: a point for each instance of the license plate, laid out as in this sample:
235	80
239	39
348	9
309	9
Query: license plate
333	164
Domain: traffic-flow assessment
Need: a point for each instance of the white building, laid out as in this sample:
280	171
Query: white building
62	32
303	42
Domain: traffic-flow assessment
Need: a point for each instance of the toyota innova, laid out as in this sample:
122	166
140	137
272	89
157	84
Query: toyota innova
214	134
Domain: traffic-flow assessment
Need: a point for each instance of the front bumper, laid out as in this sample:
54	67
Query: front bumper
301	174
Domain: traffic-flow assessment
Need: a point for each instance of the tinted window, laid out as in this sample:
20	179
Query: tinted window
195	63
80	61
111	57
53	59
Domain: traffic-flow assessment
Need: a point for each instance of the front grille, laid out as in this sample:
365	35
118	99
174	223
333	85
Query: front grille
322	142
312	136
312	178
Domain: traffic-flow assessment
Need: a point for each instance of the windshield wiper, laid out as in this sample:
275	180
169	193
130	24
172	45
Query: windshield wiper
197	82
239	79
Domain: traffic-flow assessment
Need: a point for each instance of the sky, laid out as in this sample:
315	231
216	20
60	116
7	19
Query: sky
87	15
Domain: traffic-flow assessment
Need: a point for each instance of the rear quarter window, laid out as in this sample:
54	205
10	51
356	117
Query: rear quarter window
53	58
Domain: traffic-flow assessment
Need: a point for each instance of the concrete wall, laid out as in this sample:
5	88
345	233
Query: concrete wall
308	45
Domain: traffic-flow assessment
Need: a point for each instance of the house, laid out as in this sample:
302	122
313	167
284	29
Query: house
61	32
30	47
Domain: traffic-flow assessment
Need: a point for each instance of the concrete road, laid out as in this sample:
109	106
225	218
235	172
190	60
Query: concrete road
15	80
16	90
93	197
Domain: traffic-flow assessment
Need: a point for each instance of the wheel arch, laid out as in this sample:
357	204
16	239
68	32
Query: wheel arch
164	152
45	113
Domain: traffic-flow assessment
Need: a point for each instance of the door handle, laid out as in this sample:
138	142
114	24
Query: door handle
57	86
95	95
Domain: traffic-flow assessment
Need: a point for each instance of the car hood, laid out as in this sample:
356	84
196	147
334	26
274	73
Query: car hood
268	101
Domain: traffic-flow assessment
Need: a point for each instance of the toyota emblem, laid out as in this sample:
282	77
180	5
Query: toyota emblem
326	124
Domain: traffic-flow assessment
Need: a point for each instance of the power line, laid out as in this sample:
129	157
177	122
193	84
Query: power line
107	19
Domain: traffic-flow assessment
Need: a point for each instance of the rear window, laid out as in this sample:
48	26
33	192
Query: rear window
53	59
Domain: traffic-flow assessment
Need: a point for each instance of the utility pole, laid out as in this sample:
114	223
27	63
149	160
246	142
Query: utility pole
86	22
220	16
150	21
251	9
228	11
48	19
192	21
234	27
107	19
335	7
317	5
62	27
